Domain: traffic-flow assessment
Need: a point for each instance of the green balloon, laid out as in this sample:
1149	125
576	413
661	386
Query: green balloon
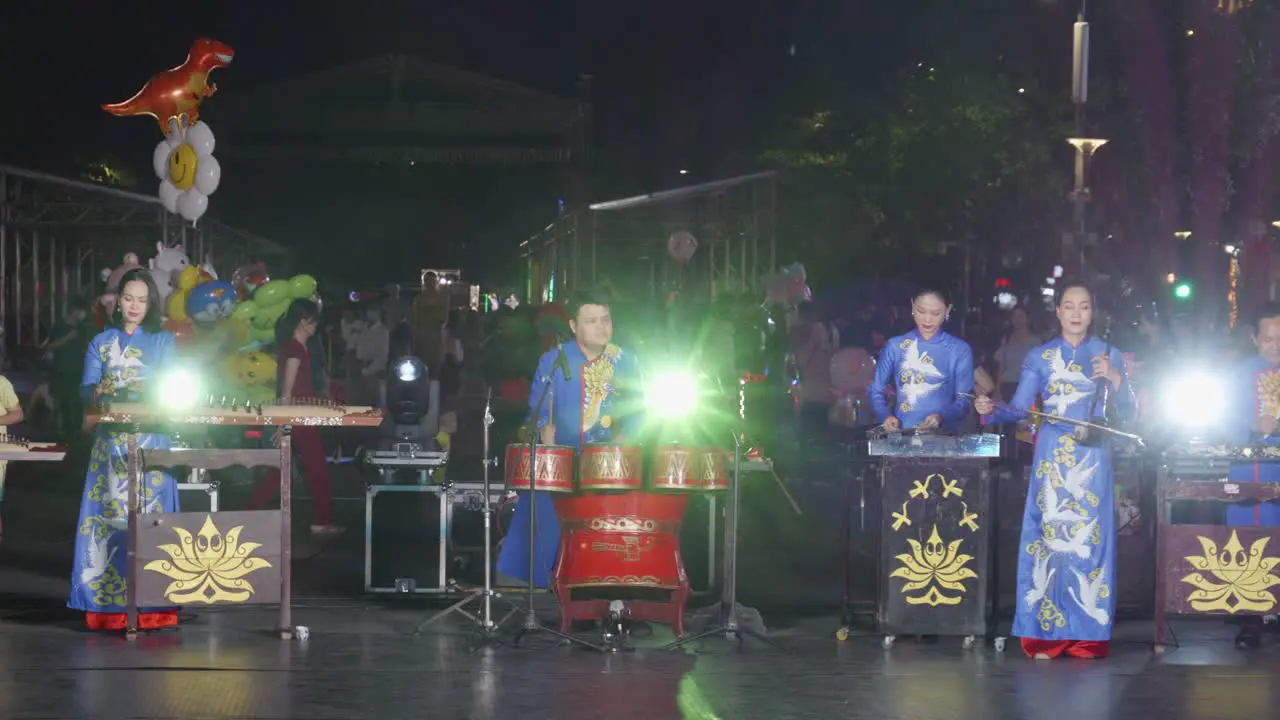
276	292
259	393
302	286
244	310
262	335
266	317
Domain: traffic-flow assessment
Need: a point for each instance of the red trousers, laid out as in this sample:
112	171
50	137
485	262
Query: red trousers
311	448
120	621
1083	649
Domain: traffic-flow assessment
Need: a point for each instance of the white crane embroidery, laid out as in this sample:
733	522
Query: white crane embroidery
1053	510
918	372
1041	576
97	561
1089	595
1076	480
1059	371
1078	544
1068	383
117	359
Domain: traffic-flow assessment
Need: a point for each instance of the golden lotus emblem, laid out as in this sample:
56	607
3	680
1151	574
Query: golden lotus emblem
209	567
1232	581
934	566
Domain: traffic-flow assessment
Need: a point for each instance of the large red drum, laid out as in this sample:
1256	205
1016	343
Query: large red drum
689	469
611	467
554	468
625	540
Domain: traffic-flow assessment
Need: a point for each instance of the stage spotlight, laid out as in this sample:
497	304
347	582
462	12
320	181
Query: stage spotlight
1194	401
408	391
672	395
178	388
408	369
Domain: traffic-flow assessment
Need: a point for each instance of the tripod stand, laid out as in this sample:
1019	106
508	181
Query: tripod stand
730	626
531	624
484	620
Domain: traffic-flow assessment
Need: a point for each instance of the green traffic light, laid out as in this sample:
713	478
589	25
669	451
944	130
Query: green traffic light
1182	291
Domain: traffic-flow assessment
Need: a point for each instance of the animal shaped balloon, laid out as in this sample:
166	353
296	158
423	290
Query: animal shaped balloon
176	94
112	280
211	301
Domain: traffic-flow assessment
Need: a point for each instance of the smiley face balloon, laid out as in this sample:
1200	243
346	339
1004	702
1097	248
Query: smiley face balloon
187	170
182	167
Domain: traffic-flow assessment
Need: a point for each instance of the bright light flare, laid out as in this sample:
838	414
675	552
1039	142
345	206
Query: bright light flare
672	395
407	371
1194	401
179	388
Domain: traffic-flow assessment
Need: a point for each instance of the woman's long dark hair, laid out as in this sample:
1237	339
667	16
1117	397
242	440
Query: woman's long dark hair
298	311
155	310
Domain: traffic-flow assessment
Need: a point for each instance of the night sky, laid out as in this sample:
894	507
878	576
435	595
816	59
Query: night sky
679	84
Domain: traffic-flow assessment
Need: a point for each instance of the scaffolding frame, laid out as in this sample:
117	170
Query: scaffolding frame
613	245
56	234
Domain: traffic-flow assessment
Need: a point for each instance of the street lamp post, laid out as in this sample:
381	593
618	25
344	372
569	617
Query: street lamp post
1076	257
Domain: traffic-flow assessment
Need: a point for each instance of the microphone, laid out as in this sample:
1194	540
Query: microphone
562	362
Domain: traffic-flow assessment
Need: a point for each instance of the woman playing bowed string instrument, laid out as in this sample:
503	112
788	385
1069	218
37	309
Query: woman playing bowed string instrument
932	369
1066	561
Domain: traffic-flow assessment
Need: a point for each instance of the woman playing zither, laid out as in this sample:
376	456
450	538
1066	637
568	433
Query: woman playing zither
130	352
1066	563
932	370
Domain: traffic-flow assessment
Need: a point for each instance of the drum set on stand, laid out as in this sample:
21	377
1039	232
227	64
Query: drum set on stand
620	526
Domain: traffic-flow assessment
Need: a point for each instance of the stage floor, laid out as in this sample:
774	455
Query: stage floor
362	662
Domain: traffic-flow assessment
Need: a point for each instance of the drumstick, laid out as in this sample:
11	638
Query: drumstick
781	485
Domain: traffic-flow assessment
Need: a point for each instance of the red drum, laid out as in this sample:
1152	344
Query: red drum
686	469
626	540
717	466
554	468
611	467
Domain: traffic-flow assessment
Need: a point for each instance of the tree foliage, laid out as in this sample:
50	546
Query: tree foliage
959	146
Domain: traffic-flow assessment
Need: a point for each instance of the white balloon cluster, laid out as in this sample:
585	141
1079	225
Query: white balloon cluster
188	171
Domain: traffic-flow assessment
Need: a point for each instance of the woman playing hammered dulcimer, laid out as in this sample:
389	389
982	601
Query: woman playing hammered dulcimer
932	372
121	359
1066	563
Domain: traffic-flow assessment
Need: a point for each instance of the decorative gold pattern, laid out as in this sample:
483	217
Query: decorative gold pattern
1232	581
597	383
649	581
1267	385
631	547
692	469
951	488
611	467
209	568
900	518
932	566
921	488
968	519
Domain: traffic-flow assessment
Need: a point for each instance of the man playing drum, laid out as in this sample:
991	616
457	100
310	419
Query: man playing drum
594	397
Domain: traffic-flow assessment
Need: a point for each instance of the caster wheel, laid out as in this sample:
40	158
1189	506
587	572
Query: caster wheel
887	642
130	634
286	635
842	634
967	644
1159	649
999	643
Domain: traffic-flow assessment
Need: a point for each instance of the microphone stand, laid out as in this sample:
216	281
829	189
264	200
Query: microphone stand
730	628
531	624
484	620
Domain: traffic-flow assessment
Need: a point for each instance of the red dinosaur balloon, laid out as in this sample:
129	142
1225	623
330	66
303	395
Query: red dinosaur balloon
177	93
